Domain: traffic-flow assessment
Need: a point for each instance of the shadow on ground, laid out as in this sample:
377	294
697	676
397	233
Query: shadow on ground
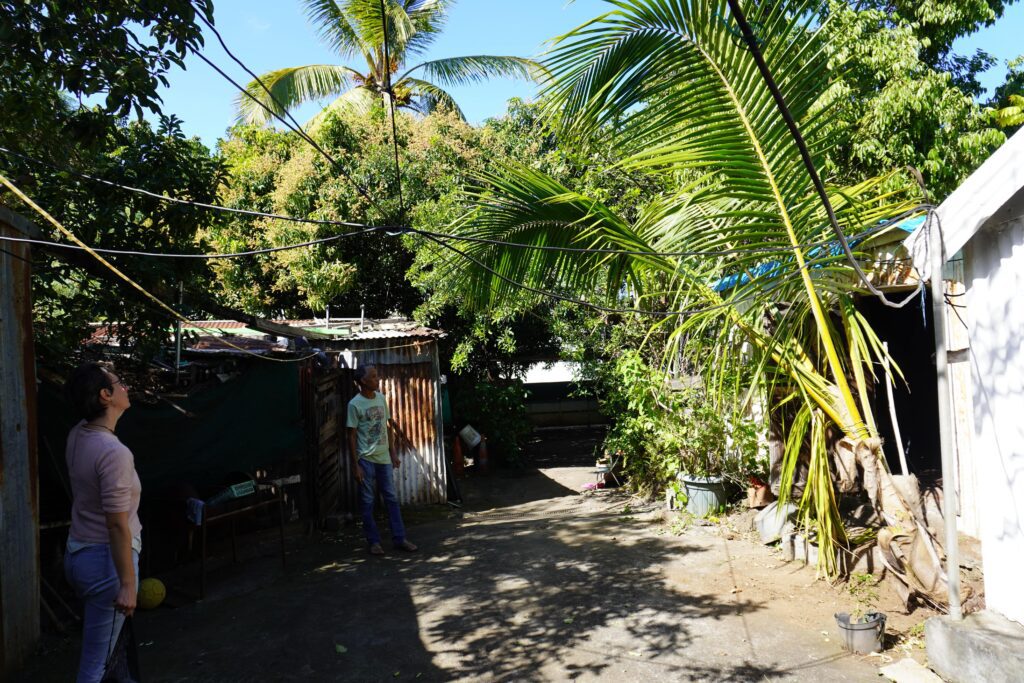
530	582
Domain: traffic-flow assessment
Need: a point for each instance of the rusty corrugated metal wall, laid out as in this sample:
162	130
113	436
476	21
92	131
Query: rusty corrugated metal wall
410	380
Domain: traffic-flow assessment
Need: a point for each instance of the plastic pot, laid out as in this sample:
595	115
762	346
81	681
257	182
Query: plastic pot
863	637
704	495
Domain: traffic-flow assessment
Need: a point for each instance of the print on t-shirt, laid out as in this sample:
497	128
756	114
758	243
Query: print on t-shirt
375	415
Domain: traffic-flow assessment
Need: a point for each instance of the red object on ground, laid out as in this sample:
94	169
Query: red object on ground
481	458
458	461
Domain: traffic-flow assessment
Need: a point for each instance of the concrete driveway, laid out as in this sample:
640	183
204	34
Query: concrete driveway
531	581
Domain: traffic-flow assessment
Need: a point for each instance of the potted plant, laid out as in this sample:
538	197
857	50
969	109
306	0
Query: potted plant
697	432
863	629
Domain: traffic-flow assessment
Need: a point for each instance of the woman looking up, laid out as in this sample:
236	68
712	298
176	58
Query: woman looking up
102	557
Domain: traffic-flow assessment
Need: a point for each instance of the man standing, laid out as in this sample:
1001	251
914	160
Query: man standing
373	459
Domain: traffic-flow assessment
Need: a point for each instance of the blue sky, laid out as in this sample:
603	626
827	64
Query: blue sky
269	34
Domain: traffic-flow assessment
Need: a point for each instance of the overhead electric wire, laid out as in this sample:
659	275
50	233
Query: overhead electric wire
153	254
599	307
294	126
189	202
146	293
391	103
394	229
805	156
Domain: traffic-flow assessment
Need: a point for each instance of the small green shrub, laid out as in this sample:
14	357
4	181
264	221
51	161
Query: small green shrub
497	411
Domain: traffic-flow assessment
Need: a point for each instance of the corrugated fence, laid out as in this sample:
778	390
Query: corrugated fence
409	378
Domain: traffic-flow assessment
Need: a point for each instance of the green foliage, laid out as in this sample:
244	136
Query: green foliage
498	412
120	48
899	96
863	588
71	289
663	427
56	52
1011	115
279	173
697	112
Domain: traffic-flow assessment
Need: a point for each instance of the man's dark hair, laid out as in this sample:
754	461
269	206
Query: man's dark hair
361	372
83	390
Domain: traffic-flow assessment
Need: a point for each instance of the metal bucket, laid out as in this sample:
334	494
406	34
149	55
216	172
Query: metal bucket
865	637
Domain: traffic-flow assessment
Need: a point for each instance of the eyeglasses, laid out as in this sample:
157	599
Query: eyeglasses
121	382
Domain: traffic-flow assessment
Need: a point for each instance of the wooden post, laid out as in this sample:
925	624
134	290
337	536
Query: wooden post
19	487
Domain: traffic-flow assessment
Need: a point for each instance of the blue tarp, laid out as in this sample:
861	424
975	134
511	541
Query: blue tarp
768	270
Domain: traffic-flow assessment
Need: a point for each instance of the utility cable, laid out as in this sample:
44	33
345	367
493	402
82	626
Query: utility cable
391	103
628	252
780	102
394	229
294	126
189	202
178	316
599	307
153	254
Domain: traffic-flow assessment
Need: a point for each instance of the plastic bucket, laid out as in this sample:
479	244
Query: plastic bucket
862	638
704	495
470	436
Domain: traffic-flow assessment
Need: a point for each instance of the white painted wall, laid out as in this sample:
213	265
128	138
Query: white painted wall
995	275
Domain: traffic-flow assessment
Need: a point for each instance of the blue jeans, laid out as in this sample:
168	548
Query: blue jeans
92	574
375	475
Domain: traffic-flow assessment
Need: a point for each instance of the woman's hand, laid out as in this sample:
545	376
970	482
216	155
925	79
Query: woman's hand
125	600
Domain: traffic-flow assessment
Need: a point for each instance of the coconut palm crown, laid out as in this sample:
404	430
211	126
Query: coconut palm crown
355	28
735	266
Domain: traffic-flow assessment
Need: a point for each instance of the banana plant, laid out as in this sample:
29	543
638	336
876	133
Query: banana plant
738	263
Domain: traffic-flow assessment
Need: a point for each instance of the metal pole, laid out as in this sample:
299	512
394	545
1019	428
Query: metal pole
949	478
904	470
177	337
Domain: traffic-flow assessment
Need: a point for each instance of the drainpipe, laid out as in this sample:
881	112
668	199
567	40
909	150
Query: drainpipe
949	475
362	316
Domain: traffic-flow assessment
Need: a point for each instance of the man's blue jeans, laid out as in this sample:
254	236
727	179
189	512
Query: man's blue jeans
375	475
92	574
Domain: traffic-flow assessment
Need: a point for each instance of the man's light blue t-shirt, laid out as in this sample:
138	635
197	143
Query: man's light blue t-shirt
369	417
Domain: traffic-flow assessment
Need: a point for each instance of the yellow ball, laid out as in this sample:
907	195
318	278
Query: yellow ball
151	593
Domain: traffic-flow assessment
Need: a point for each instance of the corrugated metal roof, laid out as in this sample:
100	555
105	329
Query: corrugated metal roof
341	328
346	328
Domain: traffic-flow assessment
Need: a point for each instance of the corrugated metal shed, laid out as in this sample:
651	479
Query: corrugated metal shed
406	356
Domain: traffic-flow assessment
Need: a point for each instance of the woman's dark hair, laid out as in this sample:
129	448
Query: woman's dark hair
83	390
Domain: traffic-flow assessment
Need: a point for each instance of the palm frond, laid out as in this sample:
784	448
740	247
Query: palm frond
292	86
357	101
456	71
429	17
369	16
429	97
335	29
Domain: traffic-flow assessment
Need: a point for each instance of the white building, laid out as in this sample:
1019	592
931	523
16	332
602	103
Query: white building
984	218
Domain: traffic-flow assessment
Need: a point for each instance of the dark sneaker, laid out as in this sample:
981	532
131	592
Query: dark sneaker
376	549
406	546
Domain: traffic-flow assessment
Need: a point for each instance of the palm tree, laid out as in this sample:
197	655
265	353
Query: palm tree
670	87
355	28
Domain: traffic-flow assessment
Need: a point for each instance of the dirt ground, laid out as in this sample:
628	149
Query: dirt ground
531	580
